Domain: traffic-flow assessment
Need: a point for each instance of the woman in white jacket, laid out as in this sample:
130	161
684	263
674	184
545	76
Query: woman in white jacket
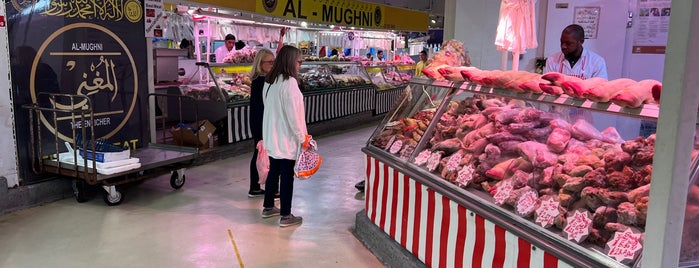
283	132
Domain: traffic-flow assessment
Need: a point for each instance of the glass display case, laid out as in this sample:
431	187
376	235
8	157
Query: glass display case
316	75
390	76
225	82
567	170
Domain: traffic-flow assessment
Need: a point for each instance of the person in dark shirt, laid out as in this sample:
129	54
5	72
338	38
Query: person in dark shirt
262	64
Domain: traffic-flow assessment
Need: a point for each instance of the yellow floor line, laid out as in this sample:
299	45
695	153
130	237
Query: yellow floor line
237	253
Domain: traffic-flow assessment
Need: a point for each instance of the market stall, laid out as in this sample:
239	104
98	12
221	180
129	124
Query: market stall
333	87
483	171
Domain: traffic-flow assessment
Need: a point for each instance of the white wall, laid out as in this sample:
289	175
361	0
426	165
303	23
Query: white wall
475	22
8	162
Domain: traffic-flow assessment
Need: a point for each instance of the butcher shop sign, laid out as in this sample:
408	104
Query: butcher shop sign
345	12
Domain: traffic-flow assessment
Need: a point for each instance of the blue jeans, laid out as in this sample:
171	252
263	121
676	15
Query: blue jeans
284	170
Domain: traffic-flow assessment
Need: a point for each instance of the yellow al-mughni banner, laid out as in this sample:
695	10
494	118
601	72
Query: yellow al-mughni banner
336	12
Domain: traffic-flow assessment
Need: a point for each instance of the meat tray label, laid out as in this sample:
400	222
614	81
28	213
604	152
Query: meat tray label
433	162
454	161
503	192
578	227
390	142
547	212
527	202
465	175
395	147
624	245
421	158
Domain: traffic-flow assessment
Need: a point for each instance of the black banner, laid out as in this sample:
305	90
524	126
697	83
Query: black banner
91	48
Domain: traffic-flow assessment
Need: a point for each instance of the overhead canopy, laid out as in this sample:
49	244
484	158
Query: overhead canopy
348	13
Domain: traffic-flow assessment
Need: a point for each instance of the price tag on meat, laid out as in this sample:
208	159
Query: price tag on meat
526	203
579	225
454	161
503	192
421	158
465	175
624	245
547	212
433	162
390	142
395	147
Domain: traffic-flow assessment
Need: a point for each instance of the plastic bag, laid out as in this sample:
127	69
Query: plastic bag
262	162
308	160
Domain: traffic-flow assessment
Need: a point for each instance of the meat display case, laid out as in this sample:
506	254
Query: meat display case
328	75
486	175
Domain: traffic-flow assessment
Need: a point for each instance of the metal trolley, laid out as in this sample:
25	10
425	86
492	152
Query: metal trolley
156	159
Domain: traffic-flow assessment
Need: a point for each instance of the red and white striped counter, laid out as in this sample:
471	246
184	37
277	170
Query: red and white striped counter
437	230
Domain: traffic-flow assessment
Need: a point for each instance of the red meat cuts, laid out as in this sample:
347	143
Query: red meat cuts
580	87
551	89
558	140
582	130
605	91
610	135
454	73
636	95
537	153
432	71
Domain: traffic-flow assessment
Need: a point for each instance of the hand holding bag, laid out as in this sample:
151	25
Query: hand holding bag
308	160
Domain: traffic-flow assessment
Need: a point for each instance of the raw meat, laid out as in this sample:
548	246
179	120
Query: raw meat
605	91
596	178
478	146
627	213
448	146
557	78
519	128
539	134
551	89
537	153
432	71
622	180
616	161
560	123
639	192
610	135
558	140
500	137
583	131
500	171
528	115
454	73
581	87
603	215
636	95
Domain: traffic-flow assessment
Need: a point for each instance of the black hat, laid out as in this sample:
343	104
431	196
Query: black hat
230	37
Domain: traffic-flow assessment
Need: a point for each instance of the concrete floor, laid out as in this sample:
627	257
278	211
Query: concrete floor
200	224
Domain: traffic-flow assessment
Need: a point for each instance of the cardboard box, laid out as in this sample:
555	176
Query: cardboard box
200	139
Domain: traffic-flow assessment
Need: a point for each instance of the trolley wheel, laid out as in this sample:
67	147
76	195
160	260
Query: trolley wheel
176	181
80	191
113	200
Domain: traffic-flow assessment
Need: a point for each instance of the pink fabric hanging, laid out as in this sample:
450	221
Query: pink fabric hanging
516	30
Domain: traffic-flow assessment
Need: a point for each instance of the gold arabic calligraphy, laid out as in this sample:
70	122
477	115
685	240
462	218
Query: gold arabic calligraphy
87	9
102	81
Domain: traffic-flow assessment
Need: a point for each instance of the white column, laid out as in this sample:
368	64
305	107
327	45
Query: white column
676	124
151	89
8	164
